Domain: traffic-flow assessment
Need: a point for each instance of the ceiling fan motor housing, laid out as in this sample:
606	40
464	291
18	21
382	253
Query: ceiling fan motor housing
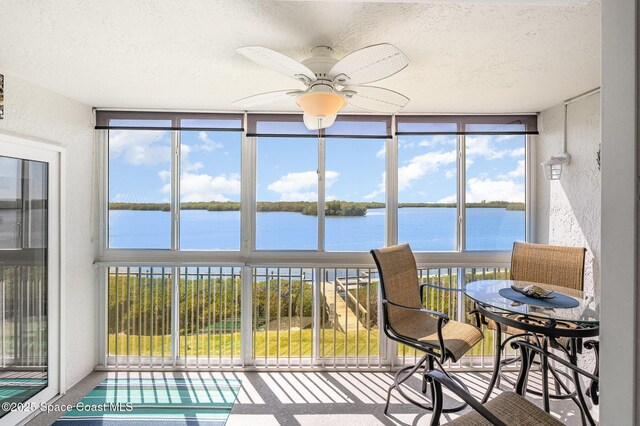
321	62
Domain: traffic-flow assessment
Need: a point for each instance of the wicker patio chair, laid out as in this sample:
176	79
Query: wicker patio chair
540	263
407	322
506	409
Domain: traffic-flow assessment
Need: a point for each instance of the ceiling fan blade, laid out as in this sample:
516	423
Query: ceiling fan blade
369	64
277	62
315	123
265	98
376	99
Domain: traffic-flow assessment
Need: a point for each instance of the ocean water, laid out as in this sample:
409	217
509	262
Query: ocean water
425	228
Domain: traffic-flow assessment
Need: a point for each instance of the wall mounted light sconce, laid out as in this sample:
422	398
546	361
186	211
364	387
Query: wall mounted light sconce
553	166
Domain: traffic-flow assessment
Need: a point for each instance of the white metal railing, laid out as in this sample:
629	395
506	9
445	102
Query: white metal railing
23	306
298	317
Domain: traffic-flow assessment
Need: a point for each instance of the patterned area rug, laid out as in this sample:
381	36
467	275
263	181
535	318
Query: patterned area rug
156	401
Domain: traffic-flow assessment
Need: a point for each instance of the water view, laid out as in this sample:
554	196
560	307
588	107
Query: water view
425	228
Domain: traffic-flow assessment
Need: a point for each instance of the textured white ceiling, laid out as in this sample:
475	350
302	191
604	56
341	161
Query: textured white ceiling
180	53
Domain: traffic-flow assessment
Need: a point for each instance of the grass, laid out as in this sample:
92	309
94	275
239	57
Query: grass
294	343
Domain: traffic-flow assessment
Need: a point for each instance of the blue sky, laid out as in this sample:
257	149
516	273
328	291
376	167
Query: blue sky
210	168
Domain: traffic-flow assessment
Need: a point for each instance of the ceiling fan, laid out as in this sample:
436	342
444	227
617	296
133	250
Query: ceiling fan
332	83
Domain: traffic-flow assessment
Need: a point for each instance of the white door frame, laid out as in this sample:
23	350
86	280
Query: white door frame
18	147
619	305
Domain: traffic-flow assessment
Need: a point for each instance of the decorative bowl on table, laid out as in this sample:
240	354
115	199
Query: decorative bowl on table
534	291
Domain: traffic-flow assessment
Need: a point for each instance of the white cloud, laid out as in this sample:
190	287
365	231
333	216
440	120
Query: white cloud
421	165
416	168
518	171
186	164
147	147
208	144
379	190
519	152
381	153
485	146
203	187
451	173
448	199
486	189
438	140
300	186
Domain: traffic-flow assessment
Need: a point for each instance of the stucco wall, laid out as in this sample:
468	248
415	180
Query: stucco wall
568	210
35	112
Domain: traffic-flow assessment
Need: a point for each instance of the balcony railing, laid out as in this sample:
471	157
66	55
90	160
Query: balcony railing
299	317
23	306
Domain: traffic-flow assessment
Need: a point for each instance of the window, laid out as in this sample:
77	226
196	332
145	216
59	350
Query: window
292	181
287	193
139	188
427	192
175	182
495	191
355	187
431	151
210	190
146	180
355	194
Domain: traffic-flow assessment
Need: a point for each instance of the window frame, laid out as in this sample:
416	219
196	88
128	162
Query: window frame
249	255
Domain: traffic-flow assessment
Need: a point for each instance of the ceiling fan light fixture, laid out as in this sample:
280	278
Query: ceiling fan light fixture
321	103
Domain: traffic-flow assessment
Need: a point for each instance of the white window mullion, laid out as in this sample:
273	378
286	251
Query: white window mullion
462	193
391	176
247	194
102	149
175	241
175	190
387	347
530	191
247	242
321	192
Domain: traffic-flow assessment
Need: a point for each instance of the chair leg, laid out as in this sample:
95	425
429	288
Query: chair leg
386	407
497	357
545	378
592	390
403	375
583	403
436	392
428	362
521	385
427	367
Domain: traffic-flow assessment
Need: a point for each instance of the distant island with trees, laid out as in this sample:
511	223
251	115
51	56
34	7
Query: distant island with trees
332	208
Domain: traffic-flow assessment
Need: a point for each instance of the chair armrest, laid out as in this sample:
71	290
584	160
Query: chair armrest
442	319
480	320
455	387
440	315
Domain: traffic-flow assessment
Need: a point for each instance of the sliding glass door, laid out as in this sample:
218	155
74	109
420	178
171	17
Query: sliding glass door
29	275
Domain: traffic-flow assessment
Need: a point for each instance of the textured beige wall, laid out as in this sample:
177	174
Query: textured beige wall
568	210
35	112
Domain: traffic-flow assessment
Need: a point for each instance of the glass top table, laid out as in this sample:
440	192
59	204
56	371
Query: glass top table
538	327
486	293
